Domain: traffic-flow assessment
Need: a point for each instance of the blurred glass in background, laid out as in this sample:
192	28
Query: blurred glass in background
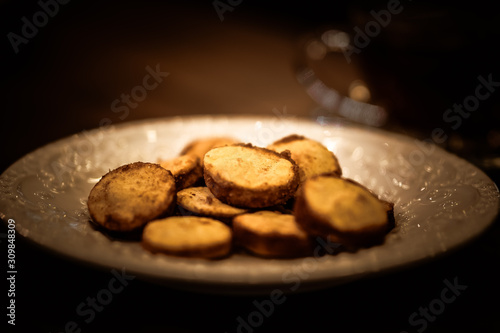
424	69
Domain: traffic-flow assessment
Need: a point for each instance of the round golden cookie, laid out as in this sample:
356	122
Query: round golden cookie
312	157
330	206
271	234
201	201
188	236
186	169
128	197
243	175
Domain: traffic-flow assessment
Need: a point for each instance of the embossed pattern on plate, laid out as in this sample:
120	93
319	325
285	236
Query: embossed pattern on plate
441	201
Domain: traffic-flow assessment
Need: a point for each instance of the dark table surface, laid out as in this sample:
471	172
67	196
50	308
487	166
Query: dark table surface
237	57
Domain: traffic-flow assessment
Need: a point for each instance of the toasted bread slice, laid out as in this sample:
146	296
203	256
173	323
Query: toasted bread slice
312	157
186	169
199	147
248	176
200	201
330	206
188	236
271	234
128	197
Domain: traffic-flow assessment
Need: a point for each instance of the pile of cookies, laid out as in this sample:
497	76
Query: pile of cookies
220	196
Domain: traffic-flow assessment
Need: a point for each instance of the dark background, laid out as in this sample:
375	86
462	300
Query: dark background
427	59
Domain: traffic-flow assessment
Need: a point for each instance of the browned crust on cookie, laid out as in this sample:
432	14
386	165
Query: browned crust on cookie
239	196
311	156
289	138
242	197
216	251
269	240
128	197
389	206
186	169
202	202
199	147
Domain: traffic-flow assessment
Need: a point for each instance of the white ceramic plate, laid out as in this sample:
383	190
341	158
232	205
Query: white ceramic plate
441	201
